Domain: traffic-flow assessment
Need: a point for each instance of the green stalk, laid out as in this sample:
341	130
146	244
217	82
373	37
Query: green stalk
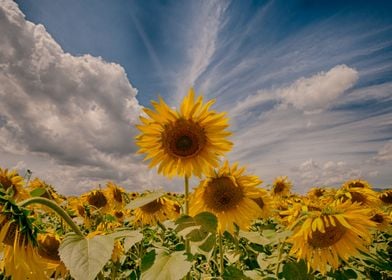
221	263
52	205
186	195
279	257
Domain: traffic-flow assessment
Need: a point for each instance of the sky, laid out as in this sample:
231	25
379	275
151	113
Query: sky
307	86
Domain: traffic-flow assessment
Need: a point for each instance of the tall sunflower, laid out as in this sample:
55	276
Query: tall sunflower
116	195
184	142
339	230
231	196
365	196
158	210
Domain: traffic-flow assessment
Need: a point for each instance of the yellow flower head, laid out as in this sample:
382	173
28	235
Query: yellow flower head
356	184
386	197
116	195
12	180
98	200
281	186
336	232
183	142
231	196
20	253
160	210
364	196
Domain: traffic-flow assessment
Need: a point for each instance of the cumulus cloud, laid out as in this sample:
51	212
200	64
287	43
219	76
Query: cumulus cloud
321	90
311	95
78	113
329	173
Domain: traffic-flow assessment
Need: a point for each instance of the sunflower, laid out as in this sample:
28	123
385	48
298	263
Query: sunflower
49	191
116	195
12	180
281	187
158	210
383	221
231	196
386	197
357	184
183	142
19	245
98	200
366	197
339	230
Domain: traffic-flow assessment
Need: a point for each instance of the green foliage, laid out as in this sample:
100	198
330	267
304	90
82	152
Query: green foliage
38	192
167	266
141	201
296	271
85	257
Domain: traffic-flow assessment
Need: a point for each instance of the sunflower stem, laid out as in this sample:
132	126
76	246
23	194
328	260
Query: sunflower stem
221	253
187	242
279	257
52	205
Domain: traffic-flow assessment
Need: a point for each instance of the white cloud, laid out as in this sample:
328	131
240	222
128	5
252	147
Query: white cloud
384	154
74	115
321	90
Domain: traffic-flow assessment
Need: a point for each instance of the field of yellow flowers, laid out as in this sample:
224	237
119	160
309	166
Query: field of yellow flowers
227	227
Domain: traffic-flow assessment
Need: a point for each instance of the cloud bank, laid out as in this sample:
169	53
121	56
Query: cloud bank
75	115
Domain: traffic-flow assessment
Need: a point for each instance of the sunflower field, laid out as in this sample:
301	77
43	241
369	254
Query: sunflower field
229	226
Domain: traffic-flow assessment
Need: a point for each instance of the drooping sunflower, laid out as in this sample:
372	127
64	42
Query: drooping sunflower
383	220
116	195
19	245
338	231
357	184
232	196
386	197
48	249
281	187
364	196
184	142
158	210
12	180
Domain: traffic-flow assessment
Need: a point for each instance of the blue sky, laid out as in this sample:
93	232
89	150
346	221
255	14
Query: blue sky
306	84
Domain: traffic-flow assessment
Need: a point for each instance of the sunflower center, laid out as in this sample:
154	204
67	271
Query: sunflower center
222	195
117	195
377	218
358	197
152	207
279	187
259	201
356	185
183	139
5	182
331	235
48	248
97	199
386	197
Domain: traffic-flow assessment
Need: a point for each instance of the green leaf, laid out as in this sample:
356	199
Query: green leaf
350	274
254	237
148	260
131	237
141	201
295	270
84	257
207	220
168	267
233	273
209	244
38	192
